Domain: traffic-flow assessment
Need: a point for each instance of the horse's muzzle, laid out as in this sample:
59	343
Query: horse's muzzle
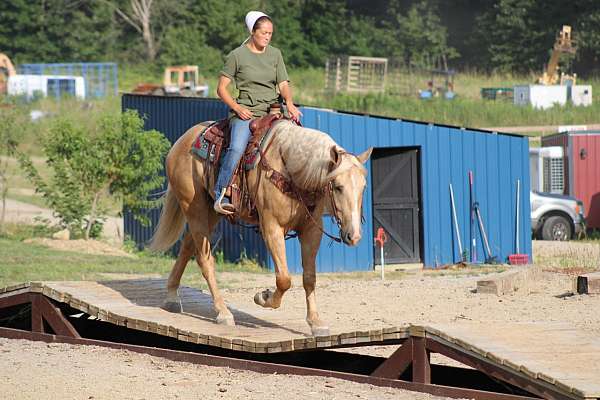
348	239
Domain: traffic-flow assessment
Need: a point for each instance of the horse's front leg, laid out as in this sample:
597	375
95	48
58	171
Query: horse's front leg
274	238
310	240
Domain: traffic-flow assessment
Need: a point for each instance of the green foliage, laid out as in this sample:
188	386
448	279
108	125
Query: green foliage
425	36
491	35
117	158
186	46
9	137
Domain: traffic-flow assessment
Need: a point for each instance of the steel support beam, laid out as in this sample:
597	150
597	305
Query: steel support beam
421	367
37	322
41	309
55	317
494	371
397	363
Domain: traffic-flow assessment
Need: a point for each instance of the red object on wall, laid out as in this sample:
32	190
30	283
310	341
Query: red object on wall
582	169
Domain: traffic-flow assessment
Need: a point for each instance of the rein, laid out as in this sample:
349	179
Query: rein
286	186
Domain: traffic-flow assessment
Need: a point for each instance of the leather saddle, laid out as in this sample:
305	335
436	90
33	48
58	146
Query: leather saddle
211	144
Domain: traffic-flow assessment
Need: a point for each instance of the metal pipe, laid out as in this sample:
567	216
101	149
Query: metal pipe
517	230
460	249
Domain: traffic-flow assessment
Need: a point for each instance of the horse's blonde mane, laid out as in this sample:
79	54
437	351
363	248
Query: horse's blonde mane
307	155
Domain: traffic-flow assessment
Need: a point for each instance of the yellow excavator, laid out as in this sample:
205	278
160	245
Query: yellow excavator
563	44
7	70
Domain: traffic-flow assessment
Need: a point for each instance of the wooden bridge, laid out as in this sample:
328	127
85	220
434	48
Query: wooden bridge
526	359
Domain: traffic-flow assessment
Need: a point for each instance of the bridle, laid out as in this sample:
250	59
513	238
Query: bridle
287	186
328	189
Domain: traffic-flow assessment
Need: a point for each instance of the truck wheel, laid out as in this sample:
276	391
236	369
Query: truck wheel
556	228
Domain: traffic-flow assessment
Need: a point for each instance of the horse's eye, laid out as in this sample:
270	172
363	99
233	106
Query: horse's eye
339	188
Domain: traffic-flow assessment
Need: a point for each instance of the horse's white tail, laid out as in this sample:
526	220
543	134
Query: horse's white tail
170	225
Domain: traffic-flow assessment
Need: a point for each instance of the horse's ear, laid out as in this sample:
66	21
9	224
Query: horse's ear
336	157
363	157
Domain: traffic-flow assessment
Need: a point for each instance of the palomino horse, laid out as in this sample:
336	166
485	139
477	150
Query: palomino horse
313	162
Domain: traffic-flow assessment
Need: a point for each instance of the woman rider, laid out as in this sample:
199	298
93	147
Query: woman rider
257	70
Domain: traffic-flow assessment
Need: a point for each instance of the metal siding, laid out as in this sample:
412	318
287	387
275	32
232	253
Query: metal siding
468	147
173	116
446	155
522	148
493	225
586	183
481	194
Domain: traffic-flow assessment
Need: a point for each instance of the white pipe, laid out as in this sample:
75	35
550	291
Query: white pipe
382	263
518	199
460	250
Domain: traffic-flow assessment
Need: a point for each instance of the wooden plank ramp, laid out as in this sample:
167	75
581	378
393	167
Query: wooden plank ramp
554	355
136	305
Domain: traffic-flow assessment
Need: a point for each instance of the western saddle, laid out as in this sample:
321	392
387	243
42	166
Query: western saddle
211	144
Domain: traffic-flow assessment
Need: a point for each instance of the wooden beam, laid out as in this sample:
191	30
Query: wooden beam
588	283
515	279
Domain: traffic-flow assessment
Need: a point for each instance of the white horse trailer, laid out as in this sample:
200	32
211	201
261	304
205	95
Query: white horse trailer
44	85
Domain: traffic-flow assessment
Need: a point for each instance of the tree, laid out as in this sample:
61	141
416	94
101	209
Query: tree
9	132
423	35
119	158
139	15
178	49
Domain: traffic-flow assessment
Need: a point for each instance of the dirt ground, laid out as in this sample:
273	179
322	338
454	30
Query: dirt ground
31	370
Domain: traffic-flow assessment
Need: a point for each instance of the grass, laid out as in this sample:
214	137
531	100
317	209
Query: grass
400	101
23	262
468	109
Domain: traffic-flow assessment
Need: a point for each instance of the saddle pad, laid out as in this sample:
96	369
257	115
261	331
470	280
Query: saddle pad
201	147
204	149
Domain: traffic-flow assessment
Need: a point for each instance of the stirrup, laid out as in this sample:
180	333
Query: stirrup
223	208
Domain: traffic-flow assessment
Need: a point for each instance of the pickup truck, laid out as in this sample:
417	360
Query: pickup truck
556	216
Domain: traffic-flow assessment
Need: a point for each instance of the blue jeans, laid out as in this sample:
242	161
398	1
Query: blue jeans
240	135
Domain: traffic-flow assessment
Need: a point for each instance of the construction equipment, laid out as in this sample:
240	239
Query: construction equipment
563	44
7	70
177	81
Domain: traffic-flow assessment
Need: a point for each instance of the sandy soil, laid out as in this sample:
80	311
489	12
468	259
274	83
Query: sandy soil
35	370
30	370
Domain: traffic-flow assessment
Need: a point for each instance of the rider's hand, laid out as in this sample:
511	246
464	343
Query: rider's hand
295	114
243	113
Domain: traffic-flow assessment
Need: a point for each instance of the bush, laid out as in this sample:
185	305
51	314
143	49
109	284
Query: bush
117	158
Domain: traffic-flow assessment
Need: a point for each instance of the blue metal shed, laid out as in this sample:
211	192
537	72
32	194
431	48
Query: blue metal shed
442	155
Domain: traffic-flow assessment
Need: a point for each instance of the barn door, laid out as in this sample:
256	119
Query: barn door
396	203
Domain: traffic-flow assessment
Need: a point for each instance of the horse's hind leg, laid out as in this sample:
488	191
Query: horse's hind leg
173	302
310	239
201	220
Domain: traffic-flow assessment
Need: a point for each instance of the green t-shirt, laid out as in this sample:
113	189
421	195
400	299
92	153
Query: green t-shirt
256	76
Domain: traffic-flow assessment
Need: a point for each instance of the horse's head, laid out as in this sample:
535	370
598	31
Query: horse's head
346	188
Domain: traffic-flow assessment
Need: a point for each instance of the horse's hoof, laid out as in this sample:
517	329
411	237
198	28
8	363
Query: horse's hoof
262	298
173	306
320	331
226	320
